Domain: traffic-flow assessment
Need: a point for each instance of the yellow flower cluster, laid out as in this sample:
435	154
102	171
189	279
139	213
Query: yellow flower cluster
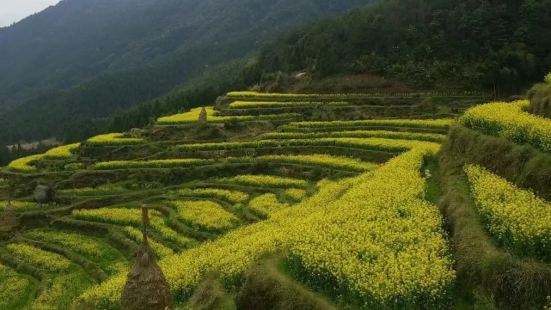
374	234
509	120
76	242
213	117
410	123
113	139
295	193
329	161
223	194
24	164
63	151
12	285
265	181
206	215
125	216
434	137
280	104
39	258
392	246
266	204
516	217
137	235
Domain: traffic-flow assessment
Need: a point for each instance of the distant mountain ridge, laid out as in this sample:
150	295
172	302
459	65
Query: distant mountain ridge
88	58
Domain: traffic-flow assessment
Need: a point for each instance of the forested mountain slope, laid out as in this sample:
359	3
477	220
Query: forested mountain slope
501	46
87	58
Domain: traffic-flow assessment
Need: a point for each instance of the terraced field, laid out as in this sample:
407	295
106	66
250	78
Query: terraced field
335	197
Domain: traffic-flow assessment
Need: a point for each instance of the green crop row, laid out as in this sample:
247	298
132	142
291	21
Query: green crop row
411	123
12	287
213	117
433	137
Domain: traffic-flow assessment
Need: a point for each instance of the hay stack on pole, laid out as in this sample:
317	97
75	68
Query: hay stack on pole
203	116
146	287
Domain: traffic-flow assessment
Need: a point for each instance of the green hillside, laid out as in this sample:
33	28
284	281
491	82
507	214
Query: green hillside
84	59
294	201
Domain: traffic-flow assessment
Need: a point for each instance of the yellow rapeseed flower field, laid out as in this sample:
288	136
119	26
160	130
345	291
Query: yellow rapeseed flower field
509	120
205	214
373	234
63	151
516	217
113	138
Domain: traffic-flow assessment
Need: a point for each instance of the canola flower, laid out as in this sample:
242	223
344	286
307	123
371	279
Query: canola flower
206	215
113	139
329	161
223	194
63	151
266	204
61	290
12	285
396	253
39	258
125	216
419	136
378	144
265	181
24	164
212	117
79	243
441	124
295	193
516	217
510	121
